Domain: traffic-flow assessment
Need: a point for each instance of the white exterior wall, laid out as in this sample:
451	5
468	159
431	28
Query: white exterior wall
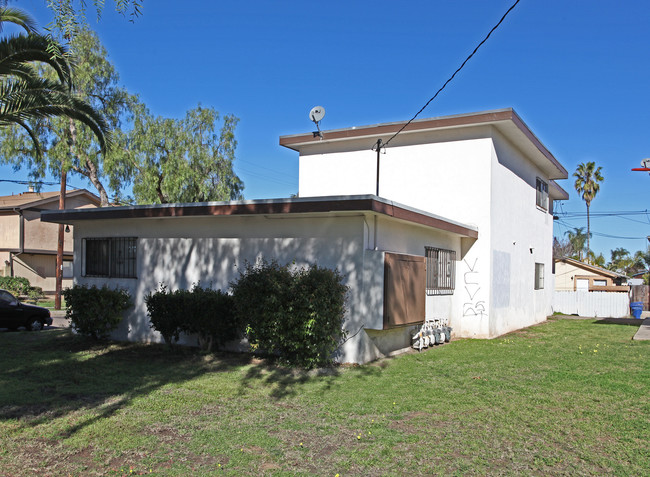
181	251
521	235
474	176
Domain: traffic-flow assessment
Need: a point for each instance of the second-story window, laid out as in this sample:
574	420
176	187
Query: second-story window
542	194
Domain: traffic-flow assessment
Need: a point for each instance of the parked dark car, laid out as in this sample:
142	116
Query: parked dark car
14	314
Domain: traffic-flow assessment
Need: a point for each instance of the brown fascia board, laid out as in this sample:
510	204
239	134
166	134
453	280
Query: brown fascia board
320	205
495	118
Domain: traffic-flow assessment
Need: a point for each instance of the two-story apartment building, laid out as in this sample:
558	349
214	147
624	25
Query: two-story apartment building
27	245
452	220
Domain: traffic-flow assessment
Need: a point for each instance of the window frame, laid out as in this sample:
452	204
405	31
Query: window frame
541	194
112	257
439	281
539	276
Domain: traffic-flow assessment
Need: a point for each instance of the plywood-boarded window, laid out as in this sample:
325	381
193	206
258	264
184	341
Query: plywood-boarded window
404	283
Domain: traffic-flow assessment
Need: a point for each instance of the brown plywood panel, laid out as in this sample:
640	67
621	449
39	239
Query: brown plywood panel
404	289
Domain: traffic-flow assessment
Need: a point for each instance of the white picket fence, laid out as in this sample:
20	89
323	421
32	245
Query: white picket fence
596	304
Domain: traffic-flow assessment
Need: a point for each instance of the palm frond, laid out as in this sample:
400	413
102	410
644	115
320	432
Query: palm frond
17	17
17	50
37	98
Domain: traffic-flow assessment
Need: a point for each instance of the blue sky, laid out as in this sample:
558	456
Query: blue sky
576	72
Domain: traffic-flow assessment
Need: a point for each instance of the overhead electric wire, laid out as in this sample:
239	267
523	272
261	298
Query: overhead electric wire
453	75
68	185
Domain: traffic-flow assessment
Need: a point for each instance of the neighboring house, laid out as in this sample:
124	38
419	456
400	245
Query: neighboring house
574	275
27	245
461	228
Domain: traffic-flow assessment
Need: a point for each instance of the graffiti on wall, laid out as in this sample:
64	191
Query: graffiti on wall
473	306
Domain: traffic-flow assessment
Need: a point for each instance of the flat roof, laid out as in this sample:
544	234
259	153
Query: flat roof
507	121
291	206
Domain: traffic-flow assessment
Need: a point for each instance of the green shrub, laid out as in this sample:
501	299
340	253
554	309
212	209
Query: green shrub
34	294
16	285
295	315
211	316
165	310
95	312
202	311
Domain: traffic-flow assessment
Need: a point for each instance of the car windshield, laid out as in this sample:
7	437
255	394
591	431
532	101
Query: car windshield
7	297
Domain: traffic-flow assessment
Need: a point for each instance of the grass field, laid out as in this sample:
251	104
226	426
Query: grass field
568	397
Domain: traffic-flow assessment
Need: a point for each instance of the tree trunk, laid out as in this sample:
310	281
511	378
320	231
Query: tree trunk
93	176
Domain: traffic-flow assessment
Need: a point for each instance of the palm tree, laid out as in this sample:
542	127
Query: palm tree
587	184
25	96
577	239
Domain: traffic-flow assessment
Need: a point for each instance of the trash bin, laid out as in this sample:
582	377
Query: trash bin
637	309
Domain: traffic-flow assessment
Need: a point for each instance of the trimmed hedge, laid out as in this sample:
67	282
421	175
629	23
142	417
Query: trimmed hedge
95	312
296	315
202	311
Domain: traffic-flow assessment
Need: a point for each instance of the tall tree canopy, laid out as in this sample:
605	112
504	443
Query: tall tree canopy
588	179
70	15
166	160
184	160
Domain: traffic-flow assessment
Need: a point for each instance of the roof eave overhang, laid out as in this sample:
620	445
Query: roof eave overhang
273	207
506	121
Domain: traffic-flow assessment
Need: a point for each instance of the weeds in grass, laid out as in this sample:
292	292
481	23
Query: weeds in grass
565	397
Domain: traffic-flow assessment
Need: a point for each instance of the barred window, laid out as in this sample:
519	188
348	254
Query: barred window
441	271
113	257
542	194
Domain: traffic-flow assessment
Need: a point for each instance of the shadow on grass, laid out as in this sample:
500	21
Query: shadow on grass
286	382
54	373
618	321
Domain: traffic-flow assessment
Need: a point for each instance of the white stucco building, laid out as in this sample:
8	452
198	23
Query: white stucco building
487	170
460	227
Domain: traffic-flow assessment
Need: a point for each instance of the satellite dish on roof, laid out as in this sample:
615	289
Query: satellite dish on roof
316	114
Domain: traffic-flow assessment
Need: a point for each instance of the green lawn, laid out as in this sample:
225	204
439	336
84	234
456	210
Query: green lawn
568	397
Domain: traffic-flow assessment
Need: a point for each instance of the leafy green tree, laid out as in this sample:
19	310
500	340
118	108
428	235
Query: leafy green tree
183	160
577	238
27	97
167	160
70	15
588	179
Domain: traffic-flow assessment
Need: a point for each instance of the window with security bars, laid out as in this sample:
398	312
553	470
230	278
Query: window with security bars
441	271
113	257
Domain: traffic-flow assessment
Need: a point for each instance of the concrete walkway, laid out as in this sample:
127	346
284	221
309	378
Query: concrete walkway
644	331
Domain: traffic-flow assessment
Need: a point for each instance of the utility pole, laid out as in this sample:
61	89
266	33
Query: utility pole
59	248
645	163
378	146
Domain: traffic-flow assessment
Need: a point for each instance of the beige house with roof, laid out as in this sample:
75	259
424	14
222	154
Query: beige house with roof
27	245
574	275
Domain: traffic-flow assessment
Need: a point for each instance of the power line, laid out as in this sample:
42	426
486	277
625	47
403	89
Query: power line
455	72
